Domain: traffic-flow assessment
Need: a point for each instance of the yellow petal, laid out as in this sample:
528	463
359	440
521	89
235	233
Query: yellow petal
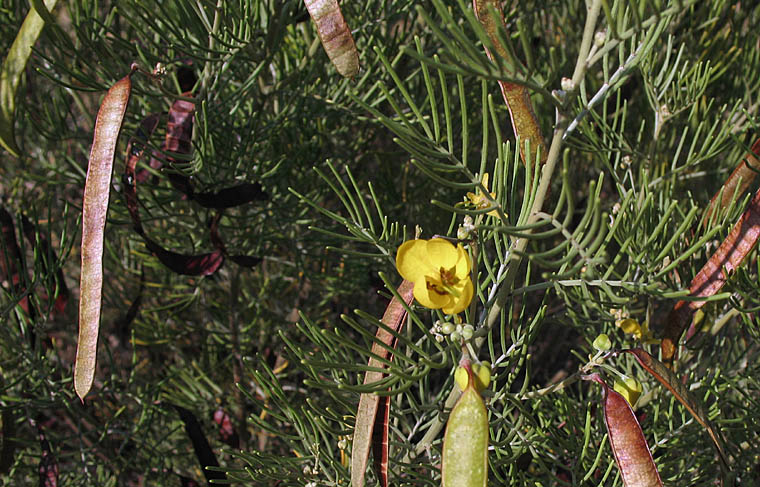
428	298
629	388
463	263
629	325
441	254
484	181
457	304
412	261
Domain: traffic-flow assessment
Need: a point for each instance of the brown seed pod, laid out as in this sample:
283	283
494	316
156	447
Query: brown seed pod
335	35
94	210
631	451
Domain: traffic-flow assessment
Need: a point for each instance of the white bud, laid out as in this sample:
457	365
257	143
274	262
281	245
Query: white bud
600	37
567	84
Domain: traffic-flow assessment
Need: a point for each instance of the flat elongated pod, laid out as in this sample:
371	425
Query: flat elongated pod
335	35
632	454
516	97
94	210
465	444
739	243
693	404
370	404
737	183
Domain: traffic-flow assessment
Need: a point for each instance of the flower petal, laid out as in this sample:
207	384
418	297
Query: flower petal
412	261
441	254
427	297
457	304
463	263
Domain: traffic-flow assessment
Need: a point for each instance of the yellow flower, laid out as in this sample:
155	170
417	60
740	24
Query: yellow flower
480	200
440	273
629	388
640	331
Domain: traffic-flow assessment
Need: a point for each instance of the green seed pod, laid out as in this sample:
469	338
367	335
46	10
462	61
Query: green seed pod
448	328
465	444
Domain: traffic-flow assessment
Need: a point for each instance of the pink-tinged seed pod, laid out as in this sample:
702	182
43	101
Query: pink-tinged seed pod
632	454
94	210
335	35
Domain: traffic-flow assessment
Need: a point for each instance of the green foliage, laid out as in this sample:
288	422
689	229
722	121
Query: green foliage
658	107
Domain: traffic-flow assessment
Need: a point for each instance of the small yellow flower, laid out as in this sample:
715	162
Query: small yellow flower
629	388
440	273
640	331
480	201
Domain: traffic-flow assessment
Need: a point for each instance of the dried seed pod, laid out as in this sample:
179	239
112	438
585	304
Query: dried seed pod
631	451
465	444
335	35
94	210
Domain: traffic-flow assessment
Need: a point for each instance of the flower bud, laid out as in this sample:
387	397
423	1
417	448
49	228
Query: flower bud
467	331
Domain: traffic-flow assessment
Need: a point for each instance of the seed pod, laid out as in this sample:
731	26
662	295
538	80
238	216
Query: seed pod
465	444
94	210
13	68
631	451
335	35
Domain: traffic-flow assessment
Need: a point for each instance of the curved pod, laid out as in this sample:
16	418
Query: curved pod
335	35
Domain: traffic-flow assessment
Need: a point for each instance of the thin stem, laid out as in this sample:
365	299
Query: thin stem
588	36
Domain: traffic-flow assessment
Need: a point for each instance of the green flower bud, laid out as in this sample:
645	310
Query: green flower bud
467	331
